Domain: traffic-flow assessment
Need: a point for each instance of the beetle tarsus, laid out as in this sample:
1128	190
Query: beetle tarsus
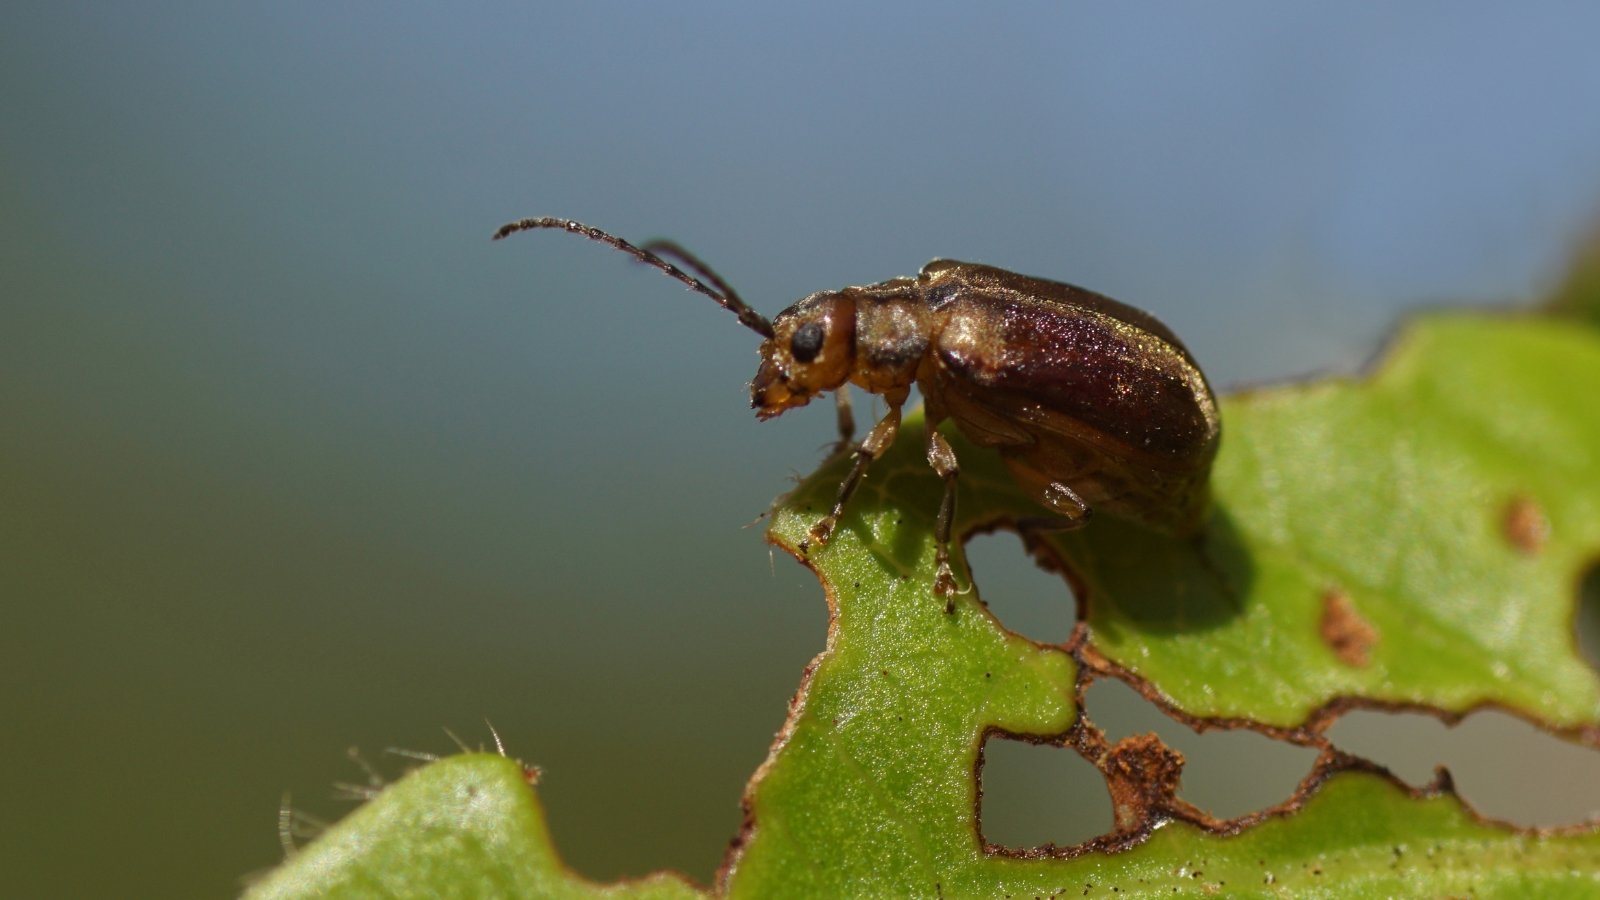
944	585
818	535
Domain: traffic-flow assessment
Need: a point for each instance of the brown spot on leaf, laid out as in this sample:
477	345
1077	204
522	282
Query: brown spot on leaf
1526	526
1344	631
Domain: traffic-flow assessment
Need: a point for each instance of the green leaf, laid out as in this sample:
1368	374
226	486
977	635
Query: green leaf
1386	501
1448	505
1413	538
466	826
1359	835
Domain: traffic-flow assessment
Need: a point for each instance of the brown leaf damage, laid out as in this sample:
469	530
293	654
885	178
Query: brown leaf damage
1525	525
1142	774
1345	632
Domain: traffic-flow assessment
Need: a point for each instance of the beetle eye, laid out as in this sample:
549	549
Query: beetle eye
807	342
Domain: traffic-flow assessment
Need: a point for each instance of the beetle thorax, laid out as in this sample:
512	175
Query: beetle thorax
893	330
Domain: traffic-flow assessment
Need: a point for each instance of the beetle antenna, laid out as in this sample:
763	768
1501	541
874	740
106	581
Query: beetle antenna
725	297
673	250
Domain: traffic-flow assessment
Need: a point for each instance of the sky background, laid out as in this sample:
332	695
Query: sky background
294	459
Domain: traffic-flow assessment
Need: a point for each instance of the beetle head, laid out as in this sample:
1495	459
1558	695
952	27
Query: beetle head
811	351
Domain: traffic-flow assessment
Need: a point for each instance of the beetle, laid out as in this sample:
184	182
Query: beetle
1091	403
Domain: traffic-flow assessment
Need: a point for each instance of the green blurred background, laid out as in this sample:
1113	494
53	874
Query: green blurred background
293	459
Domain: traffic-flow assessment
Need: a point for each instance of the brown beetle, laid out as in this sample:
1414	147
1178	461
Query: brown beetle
1091	403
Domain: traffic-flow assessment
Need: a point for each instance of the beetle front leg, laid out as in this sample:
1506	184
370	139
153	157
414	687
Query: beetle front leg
847	421
877	441
943	460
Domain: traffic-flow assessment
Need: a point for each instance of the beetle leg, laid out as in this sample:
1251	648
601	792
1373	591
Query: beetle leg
872	447
847	421
943	460
1074	511
1063	499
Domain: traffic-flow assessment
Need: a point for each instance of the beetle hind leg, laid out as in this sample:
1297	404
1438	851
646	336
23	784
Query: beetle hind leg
1073	511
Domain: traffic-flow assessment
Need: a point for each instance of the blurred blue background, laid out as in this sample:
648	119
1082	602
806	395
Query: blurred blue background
293	458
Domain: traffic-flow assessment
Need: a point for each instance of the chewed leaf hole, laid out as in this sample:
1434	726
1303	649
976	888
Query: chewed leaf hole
1040	794
1506	768
1588	619
1226	773
1028	600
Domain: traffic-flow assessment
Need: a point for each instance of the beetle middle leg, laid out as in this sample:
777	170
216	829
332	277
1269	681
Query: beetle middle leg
872	447
943	460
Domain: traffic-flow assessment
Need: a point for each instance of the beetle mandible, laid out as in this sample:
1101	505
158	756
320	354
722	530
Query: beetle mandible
1092	404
